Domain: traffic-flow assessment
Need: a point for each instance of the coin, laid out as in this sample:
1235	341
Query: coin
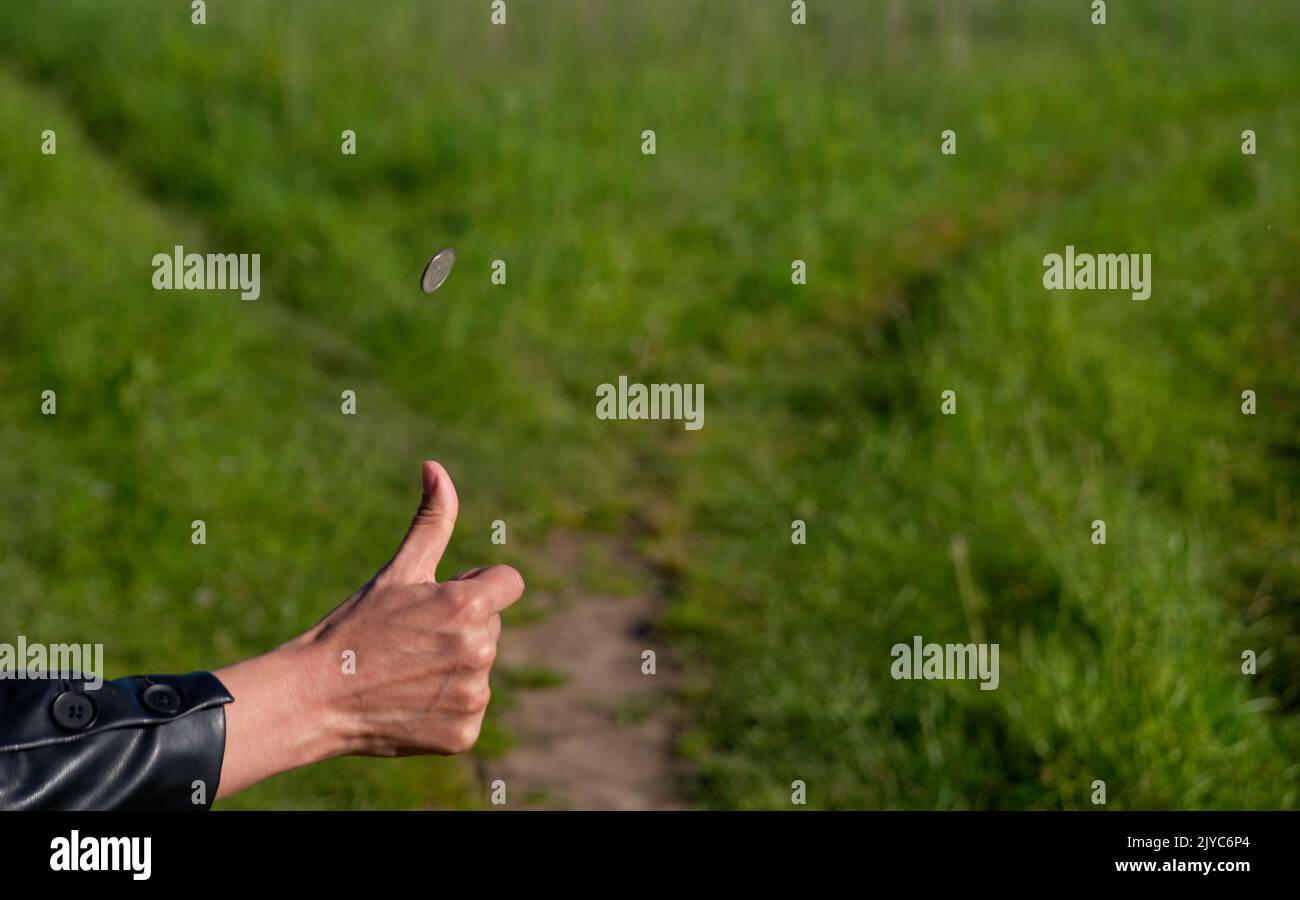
436	272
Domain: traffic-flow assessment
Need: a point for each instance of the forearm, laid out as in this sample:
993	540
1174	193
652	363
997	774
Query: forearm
281	717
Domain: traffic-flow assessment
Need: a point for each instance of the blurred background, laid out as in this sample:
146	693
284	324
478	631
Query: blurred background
775	142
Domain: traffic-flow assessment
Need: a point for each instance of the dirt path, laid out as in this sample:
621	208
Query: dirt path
602	739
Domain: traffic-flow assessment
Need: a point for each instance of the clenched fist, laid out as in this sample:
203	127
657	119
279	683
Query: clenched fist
400	667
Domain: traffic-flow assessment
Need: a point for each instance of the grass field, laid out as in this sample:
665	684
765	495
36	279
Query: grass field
775	142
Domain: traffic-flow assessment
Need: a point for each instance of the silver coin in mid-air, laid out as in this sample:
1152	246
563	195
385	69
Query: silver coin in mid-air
436	272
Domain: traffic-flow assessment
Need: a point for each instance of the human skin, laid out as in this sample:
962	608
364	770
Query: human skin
423	652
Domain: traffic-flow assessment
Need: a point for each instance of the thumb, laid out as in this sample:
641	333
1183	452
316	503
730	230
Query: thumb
426	540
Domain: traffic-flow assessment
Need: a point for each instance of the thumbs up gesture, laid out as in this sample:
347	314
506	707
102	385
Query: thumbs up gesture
400	667
423	648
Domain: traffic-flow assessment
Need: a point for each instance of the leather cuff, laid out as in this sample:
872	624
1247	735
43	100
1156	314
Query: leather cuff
142	742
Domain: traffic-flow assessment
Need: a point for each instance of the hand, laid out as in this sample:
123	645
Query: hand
421	650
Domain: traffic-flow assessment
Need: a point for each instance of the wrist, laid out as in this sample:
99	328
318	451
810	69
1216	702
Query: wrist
315	685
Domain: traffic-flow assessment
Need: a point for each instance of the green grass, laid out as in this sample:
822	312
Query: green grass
822	402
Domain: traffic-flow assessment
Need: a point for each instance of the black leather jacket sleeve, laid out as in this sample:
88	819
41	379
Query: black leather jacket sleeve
145	742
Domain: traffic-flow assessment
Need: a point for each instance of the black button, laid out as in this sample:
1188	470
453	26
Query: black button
73	710
162	699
